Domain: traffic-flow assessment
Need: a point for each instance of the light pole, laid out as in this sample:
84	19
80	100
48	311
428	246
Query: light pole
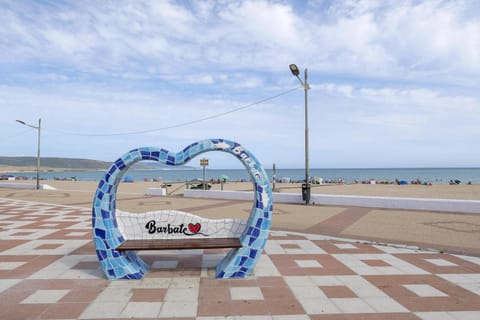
38	146
306	186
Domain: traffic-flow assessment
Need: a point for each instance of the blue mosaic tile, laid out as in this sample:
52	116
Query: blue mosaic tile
120	164
238	263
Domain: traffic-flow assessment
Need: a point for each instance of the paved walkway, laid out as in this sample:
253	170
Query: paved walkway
48	270
448	232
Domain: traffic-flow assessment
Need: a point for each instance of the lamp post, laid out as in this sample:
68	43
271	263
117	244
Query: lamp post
306	186
38	146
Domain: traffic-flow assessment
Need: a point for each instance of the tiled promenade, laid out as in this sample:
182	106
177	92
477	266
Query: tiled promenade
48	270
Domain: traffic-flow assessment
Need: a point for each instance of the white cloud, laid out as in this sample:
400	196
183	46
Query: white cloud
398	39
392	118
382	72
343	118
427	99
265	24
433	34
374	38
334	89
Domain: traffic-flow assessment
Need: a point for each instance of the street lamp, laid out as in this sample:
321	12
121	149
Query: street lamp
306	186
38	147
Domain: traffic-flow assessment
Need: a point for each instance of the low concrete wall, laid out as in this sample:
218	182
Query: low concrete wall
25	186
156	192
444	205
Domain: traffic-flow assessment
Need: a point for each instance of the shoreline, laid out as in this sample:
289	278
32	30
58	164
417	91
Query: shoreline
172	175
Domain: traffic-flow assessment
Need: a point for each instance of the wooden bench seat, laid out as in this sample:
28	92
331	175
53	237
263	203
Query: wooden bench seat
180	244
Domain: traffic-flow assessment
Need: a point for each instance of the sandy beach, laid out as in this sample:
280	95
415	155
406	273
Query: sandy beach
436	191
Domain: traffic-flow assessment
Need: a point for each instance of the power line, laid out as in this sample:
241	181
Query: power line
183	124
16	134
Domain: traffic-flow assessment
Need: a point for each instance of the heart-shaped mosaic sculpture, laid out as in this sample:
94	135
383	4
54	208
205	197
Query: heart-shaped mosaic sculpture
238	263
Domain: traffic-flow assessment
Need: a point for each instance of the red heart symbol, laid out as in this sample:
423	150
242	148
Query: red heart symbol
194	228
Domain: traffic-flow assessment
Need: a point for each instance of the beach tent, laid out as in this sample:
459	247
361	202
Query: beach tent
128	179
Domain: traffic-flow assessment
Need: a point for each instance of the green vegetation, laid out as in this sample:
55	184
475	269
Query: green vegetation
49	162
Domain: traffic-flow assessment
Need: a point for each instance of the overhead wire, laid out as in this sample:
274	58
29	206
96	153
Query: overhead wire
182	124
21	133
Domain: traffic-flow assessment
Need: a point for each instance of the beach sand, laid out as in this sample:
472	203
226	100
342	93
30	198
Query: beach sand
436	191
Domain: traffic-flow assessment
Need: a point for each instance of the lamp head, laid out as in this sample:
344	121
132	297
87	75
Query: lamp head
294	69
21	122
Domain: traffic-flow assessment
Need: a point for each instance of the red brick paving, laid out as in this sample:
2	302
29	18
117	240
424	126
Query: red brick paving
309	283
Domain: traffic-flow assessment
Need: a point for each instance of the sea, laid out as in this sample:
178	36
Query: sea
433	175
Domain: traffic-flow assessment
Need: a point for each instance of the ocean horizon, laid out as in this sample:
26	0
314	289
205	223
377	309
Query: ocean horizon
349	175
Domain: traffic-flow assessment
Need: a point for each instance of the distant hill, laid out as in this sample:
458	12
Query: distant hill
72	163
49	162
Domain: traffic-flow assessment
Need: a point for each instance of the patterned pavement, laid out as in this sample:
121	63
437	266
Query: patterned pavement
48	270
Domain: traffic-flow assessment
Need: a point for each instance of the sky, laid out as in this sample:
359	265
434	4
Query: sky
393	83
